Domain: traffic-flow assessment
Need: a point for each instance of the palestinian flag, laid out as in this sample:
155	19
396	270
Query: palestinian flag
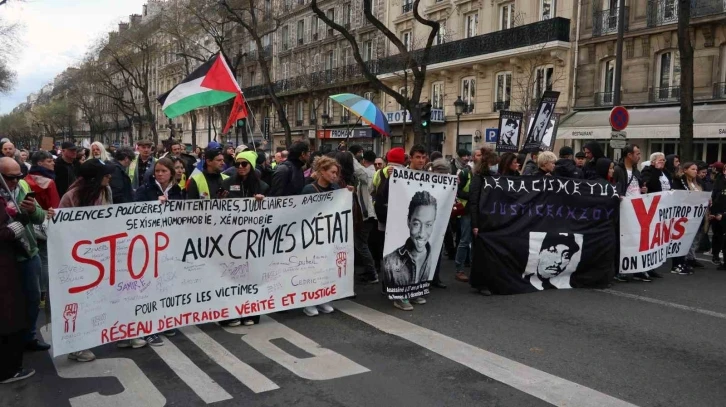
210	84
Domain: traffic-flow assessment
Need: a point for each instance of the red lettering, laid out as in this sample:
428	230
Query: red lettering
130	256
195	317
645	217
679	228
158	248
656	235
104	336
112	247
91	262
225	313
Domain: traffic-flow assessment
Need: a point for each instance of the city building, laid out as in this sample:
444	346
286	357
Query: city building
495	55
650	76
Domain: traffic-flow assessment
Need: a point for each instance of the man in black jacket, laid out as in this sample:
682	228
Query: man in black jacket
626	176
289	177
120	182
66	167
565	166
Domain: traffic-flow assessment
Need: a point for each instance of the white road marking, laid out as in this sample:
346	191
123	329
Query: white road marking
138	390
203	385
665	303
537	383
243	372
324	365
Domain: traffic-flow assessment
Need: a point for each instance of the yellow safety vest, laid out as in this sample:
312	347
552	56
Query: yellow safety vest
183	182
466	189
377	176
202	185
24	186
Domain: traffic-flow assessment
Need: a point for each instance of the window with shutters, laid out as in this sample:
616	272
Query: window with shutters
506	16
441	35
543	81
468	93
502	91
300	32
367	51
437	95
472	25
407	40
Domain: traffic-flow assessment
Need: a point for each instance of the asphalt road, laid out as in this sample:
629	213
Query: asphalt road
645	344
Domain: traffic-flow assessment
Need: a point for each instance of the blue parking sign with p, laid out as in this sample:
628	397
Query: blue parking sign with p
492	135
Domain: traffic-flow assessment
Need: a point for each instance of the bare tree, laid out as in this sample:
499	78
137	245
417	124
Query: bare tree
685	49
259	23
8	47
414	62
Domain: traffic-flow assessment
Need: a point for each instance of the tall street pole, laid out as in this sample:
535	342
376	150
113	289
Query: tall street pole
619	64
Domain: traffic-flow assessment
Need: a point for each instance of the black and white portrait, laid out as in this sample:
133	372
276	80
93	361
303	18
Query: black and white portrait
537	129
412	261
553	257
509	126
509	132
542	120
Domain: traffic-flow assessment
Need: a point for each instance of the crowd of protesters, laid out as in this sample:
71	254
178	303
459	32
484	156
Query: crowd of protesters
72	176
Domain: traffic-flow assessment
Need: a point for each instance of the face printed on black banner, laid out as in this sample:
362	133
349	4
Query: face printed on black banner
553	258
509	131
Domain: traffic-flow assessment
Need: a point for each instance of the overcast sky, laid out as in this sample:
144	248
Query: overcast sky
56	34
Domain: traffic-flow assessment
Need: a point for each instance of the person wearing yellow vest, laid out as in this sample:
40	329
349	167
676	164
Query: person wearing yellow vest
142	166
208	183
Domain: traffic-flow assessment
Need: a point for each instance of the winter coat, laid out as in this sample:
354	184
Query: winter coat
589	169
151	191
530	168
602	168
65	174
121	184
288	179
72	200
565	167
236	189
718	195
13	312
30	219
651	179
621	179
42	182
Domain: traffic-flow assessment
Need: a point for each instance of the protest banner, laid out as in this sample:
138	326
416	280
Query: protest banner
510	124
541	131
539	233
125	271
415	229
658	226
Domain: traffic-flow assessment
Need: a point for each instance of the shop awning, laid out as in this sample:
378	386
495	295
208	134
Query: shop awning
709	121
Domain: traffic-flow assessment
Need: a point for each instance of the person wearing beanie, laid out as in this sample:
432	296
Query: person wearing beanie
565	165
207	184
245	183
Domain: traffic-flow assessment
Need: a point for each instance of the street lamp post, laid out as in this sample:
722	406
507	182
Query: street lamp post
459	107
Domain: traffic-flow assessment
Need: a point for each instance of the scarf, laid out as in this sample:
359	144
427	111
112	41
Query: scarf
38	170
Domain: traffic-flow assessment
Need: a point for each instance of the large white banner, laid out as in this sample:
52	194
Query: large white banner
125	271
419	208
658	226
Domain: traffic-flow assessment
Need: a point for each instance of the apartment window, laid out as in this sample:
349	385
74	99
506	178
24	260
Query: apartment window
300	32
669	78
437	95
347	57
397	141
546	9
300	111
367	51
285	38
441	35
314	27
472	25
608	79
285	70
668	11
329	60
406	39
403	91
542	80
268	8
503	91
346	14
506	16
252	78
331	15
368	95
464	142
468	93
329	106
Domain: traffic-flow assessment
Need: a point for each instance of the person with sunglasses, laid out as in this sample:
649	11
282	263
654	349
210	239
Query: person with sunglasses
15	189
245	183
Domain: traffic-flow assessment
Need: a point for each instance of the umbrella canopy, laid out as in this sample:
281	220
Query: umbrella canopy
367	110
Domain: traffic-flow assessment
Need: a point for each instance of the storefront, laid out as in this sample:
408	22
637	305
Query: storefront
363	136
653	129
402	130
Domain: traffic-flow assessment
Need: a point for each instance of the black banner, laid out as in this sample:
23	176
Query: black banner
542	233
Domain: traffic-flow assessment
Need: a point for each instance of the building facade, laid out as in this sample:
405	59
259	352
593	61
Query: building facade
650	86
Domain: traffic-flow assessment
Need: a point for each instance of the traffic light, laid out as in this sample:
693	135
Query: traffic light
425	109
241	123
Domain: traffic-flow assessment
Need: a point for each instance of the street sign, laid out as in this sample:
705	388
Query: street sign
618	144
618	135
491	135
619	118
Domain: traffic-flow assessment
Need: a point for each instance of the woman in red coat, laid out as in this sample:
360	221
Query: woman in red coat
13	318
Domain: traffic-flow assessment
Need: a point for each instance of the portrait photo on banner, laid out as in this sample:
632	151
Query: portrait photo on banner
553	257
510	124
541	124
418	212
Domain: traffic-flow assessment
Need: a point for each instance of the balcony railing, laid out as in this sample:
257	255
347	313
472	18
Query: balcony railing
298	122
553	29
501	106
661	95
661	12
606	22
603	99
407	7
267	51
315	80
